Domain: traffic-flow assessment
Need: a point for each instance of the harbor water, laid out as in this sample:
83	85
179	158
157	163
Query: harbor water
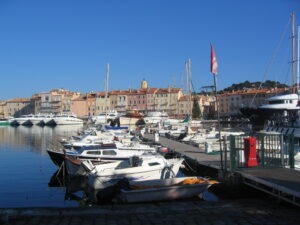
26	169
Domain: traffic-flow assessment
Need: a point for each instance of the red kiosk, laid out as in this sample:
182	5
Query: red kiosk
250	151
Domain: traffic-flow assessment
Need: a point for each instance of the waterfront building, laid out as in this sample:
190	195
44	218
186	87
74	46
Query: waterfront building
230	103
18	106
2	108
57	101
166	99
150	99
118	101
84	106
91	104
137	100
101	103
206	105
63	99
79	106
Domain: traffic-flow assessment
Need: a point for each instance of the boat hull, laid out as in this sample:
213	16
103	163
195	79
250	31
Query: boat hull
162	190
100	179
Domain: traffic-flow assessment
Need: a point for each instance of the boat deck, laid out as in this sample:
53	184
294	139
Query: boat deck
280	182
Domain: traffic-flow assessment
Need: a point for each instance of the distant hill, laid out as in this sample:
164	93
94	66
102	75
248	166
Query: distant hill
254	85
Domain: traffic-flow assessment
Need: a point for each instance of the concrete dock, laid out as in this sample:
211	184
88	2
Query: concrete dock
283	183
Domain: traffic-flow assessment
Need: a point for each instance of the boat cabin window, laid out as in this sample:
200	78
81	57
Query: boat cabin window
153	164
124	164
109	152
93	152
276	102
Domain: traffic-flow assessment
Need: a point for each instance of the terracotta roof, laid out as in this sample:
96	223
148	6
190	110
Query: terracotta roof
14	100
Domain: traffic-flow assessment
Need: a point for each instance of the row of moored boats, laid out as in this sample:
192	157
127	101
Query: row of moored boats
106	157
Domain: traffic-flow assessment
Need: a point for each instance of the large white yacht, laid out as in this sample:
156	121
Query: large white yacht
277	106
23	120
66	119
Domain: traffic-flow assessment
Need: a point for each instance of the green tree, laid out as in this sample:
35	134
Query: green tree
196	112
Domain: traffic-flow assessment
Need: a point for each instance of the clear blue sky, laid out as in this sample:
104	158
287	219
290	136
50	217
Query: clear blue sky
47	44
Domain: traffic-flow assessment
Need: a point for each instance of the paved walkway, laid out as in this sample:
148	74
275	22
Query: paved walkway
246	212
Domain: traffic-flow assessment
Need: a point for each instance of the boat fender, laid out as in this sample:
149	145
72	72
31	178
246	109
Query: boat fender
163	150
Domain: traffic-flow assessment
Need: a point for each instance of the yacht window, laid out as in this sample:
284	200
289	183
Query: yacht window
276	102
109	152
153	164
77	148
93	152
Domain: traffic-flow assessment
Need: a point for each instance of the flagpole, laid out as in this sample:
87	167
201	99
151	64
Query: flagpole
213	69
219	123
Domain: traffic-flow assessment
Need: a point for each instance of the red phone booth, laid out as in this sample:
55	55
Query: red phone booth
250	151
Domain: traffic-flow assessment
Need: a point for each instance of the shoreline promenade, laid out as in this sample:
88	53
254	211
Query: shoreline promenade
243	212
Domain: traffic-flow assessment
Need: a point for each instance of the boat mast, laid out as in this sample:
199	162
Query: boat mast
295	84
188	81
106	90
298	59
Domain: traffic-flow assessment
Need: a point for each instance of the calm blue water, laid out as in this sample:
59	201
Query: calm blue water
26	169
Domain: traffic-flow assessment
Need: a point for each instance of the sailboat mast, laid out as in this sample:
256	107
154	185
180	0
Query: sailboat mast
106	90
298	53
293	55
188	81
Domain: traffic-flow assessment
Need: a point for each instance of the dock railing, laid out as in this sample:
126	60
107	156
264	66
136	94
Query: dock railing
272	150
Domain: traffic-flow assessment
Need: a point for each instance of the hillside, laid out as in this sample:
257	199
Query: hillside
254	85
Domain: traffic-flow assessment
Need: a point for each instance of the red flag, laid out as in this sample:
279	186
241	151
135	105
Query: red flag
213	61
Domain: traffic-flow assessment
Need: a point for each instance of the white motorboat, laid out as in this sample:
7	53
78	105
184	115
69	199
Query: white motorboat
66	119
174	131
104	118
144	167
74	167
155	117
165	189
73	163
104	151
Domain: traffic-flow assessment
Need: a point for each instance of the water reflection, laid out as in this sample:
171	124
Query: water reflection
77	189
36	137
